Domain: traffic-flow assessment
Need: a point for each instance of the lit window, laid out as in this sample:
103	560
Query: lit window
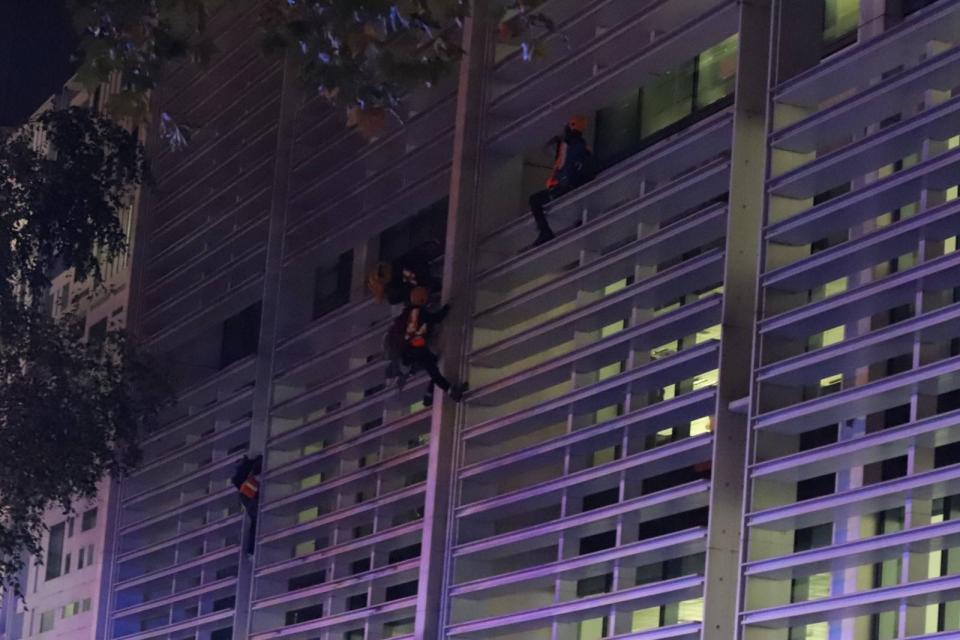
840	17
717	71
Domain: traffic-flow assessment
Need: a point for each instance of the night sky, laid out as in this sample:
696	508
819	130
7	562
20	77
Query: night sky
36	42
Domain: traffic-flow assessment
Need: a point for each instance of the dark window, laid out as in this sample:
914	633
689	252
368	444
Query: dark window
224	603
427	226
673	522
241	333
308	580
359	566
66	564
303	615
332	286
912	6
89	520
227	572
598	542
404	553
358	601
70	522
98	332
222	634
55	551
595	585
946	454
402	590
601	499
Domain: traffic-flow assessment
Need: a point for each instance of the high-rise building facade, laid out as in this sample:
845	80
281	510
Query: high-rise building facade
718	405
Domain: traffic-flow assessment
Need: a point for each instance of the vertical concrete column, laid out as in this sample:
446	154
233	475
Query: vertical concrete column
263	390
748	172
458	272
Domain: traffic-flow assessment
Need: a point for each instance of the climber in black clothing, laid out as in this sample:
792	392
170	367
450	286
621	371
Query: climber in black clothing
415	353
572	168
245	479
393	282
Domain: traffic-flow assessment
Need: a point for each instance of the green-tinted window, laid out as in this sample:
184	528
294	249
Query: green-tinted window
667	99
840	17
717	71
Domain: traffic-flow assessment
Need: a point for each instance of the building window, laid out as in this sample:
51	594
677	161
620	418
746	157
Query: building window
87	603
667	99
398	628
429	225
912	6
70	610
66	564
46	621
55	551
670	101
222	634
618	127
717	72
70	527
241	333
85	556
402	590
840	19
332	288
97	332
358	601
89	520
303	615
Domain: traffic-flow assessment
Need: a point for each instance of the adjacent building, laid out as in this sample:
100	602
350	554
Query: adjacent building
64	589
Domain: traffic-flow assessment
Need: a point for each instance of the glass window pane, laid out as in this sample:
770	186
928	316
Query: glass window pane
840	17
618	127
717	71
667	99
46	621
89	520
55	551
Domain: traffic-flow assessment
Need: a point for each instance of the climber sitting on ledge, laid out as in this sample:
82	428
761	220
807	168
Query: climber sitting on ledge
572	168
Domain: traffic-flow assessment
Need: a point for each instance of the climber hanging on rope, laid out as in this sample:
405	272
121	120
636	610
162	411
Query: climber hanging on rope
246	480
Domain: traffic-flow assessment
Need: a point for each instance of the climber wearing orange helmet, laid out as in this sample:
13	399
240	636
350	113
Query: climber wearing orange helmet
572	167
417	322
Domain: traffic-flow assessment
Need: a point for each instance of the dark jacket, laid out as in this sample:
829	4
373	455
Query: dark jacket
573	162
244	468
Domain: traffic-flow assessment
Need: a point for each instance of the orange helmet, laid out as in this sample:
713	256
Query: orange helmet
578	123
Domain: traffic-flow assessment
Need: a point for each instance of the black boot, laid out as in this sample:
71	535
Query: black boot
457	391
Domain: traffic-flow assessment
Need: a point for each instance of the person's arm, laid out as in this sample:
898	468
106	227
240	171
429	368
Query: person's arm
433	317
